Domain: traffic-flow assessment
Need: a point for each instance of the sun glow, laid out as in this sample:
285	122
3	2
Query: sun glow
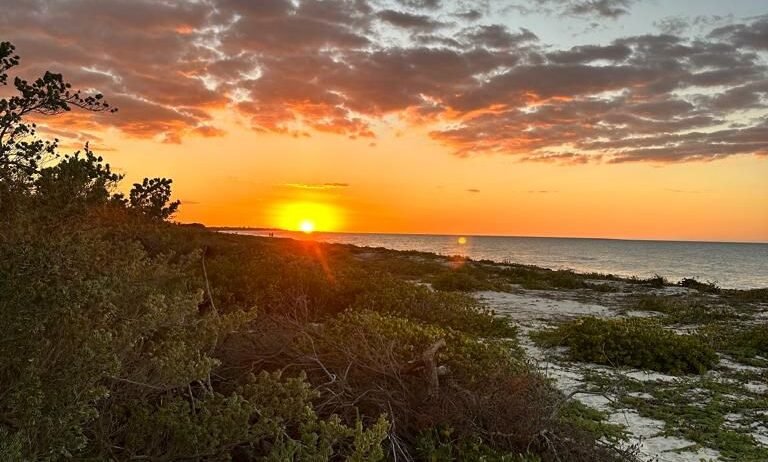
307	217
307	226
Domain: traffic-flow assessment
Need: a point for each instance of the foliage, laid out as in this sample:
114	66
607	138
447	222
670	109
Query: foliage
705	287
72	180
739	342
266	418
152	197
542	279
686	310
439	445
460	281
592	420
634	342
452	310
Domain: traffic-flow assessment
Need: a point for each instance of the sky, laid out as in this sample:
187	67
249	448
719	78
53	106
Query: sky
638	119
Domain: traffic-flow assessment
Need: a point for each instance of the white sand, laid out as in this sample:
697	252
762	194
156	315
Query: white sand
533	311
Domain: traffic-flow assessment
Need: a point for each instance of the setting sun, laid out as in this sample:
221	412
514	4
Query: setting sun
306	217
307	226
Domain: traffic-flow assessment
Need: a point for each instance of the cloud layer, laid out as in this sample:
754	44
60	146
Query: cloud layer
340	66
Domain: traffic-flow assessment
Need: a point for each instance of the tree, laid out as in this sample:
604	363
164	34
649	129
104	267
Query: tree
20	151
72	181
152	197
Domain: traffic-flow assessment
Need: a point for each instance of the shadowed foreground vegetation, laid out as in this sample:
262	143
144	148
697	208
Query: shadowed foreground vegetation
126	337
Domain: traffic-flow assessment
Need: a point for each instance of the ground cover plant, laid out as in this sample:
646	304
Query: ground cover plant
718	412
633	342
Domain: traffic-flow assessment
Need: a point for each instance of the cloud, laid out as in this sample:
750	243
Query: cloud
497	36
610	9
473	190
317	185
605	8
409	20
428	4
753	35
297	67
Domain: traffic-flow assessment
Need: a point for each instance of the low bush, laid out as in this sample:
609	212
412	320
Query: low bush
424	377
747	296
452	310
460	281
737	341
267	417
542	279
633	342
705	287
684	310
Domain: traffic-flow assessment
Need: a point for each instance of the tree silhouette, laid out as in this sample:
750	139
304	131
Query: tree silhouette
78	179
152	197
20	151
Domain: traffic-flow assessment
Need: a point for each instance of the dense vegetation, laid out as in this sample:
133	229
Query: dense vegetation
126	337
634	342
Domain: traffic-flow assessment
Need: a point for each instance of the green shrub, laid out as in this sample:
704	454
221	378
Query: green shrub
634	342
684	310
440	445
743	343
469	358
593	421
82	317
460	281
747	296
750	342
452	310
266	418
706	287
542	279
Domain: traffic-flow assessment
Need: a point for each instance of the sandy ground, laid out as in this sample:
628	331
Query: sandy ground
536	309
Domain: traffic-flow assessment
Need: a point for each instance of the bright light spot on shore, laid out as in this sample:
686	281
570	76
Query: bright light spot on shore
306	217
306	226
461	240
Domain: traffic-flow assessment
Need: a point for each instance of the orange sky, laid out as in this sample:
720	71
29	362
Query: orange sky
408	183
616	118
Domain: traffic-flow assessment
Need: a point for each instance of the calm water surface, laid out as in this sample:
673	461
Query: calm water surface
731	265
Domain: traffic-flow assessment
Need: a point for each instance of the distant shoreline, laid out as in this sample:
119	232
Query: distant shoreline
247	228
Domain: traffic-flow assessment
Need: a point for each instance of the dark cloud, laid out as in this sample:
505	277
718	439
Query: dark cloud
469	15
605	8
754	35
410	20
497	36
428	4
339	66
610	9
473	190
677	25
590	53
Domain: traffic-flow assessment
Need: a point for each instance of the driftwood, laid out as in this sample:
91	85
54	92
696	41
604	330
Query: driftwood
428	363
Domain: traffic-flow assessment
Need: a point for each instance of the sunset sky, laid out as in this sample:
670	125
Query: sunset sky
587	118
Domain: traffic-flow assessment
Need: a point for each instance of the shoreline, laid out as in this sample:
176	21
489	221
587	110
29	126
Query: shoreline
471	235
581	271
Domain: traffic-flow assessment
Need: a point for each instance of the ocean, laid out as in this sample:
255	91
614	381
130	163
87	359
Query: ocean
729	265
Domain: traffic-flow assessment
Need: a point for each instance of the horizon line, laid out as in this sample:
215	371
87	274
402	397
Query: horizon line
268	228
